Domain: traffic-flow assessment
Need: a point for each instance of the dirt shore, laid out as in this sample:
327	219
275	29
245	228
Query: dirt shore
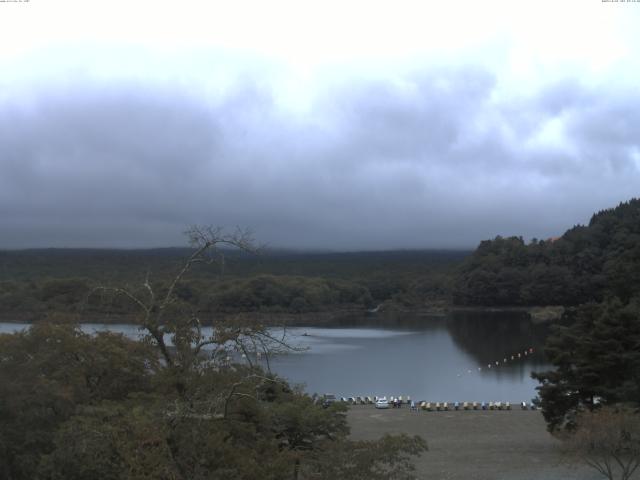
474	445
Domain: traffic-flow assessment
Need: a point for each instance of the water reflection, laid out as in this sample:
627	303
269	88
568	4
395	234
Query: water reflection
438	358
491	336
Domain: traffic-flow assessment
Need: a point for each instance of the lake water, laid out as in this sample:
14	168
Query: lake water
430	358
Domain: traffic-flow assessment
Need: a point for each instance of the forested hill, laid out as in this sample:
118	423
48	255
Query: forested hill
588	263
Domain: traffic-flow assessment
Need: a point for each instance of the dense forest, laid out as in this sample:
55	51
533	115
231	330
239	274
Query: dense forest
38	283
587	263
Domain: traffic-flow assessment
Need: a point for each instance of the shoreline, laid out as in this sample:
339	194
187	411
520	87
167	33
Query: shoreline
537	314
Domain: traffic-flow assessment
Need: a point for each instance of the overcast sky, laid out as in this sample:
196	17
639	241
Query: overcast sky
335	125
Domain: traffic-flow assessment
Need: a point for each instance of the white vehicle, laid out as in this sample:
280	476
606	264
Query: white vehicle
382	403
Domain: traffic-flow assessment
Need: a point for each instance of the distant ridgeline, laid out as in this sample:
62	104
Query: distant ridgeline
588	263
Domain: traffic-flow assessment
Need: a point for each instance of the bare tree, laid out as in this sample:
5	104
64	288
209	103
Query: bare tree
607	440
162	316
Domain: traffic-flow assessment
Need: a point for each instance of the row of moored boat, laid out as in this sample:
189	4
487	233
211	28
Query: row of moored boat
436	406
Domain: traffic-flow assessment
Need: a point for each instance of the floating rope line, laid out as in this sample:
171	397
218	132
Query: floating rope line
505	360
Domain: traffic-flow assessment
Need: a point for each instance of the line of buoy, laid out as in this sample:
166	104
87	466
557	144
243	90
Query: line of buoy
505	360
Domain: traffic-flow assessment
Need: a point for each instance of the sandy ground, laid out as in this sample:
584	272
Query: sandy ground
474	445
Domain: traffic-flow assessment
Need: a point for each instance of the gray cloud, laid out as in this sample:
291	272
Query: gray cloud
438	158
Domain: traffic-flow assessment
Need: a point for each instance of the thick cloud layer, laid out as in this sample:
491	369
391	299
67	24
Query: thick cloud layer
438	157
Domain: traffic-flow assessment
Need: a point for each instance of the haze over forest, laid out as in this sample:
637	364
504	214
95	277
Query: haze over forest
332	126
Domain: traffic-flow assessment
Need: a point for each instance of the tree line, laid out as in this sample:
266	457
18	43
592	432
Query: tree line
261	293
38	283
587	263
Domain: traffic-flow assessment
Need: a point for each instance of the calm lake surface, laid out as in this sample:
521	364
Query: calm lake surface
430	358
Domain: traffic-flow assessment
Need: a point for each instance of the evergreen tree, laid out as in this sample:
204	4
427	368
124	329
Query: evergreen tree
597	360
